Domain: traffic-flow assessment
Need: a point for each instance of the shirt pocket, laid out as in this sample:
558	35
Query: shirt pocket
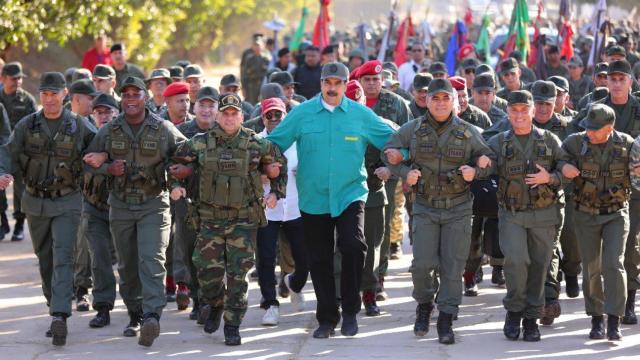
349	136
311	138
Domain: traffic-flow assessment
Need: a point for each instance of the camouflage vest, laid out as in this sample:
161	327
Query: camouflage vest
386	106
145	176
513	193
51	166
95	188
603	188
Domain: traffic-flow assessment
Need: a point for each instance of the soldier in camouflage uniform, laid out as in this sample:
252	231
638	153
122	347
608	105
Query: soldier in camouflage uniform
157	83
230	84
104	78
418	105
268	90
253	69
497	101
229	160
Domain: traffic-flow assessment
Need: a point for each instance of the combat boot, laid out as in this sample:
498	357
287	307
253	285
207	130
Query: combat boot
150	329
82	299
470	287
212	316
613	328
511	327
18	230
530	330
629	317
497	276
597	327
445	332
59	329
571	286
170	289
101	319
4	225
232	335
423	316
133	328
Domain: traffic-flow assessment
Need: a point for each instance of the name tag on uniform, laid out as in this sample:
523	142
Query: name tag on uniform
118	144
226	165
351	138
456	153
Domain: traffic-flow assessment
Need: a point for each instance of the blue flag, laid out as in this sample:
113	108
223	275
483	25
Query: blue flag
458	38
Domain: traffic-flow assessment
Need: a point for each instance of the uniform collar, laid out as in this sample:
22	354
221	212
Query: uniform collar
344	104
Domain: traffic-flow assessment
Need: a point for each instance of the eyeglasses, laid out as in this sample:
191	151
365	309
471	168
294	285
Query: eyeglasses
469	71
274	115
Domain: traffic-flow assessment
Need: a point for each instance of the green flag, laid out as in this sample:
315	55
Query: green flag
483	45
297	39
519	25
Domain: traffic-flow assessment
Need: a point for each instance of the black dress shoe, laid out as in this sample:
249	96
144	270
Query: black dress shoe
349	325
530	330
324	331
511	327
597	328
232	335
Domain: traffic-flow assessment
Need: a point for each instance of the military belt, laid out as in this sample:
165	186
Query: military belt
447	203
603	210
49	194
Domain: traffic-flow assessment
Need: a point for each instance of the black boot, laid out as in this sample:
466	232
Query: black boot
572	288
193	315
597	327
132	329
423	316
59	329
497	276
101	319
212	316
324	331
4	225
629	317
150	329
613	328
530	330
18	230
82	299
232	335
349	325
511	327
445	332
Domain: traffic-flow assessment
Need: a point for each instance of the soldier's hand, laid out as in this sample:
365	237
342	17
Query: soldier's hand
5	181
272	170
179	171
569	171
483	161
116	168
271	200
412	177
95	160
394	156
539	178
468	172
383	173
178	193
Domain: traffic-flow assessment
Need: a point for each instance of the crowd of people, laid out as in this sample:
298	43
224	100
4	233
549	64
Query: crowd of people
310	161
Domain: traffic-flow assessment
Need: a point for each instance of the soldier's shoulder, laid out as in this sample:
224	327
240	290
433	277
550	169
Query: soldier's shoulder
626	138
391	96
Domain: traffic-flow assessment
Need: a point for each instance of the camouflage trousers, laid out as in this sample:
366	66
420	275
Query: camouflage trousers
225	251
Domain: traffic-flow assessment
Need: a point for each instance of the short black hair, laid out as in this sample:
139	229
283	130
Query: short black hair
284	51
312	48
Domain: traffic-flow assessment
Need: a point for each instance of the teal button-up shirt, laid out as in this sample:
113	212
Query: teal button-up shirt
331	147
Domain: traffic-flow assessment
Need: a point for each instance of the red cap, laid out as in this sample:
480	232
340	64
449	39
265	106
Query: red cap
355	73
272	104
373	67
465	51
176	88
354	90
458	83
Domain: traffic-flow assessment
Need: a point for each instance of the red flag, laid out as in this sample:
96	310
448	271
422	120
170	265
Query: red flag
567	43
405	30
468	16
321	28
533	56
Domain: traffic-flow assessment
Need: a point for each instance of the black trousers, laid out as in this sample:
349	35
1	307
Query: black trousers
320	233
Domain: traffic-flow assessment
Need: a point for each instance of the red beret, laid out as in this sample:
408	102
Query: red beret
458	83
373	67
465	51
355	73
354	90
176	88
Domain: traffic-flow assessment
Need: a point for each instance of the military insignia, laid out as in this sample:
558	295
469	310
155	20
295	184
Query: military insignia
515	169
378	69
351	138
118	145
149	145
226	155
333	68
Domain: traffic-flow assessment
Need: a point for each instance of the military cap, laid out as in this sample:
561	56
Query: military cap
230	100
208	93
271	90
421	81
83	86
601	68
388	80
282	77
102	71
117	47
176	72
520	97
508	65
458	82
336	70
561	83
312	48
183	63
598	116
544	91
104	100
160	74
391	66
372	67
68	74
13	69
53	81
440	85
484	82
619	66
193	70
470	63
133	81
600	93
357	52
616	50
80	73
176	88
516	54
484	68
229	80
576	61
438	68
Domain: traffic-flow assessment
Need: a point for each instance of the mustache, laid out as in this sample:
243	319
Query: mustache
332	93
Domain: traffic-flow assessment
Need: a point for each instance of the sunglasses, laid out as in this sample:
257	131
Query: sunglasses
274	115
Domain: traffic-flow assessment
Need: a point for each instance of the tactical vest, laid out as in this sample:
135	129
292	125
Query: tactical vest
603	188
440	189
51	166
95	188
513	193
145	173
386	106
230	183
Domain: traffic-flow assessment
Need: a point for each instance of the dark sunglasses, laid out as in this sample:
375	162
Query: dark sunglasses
274	115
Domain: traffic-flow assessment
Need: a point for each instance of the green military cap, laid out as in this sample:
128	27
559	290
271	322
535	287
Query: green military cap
484	82
600	93
335	70
357	52
520	97
53	81
83	86
438	68
484	68
13	69
208	92
421	81
508	65
561	83
616	50
598	116
80	73
133	81
576	61
601	68
272	90
544	91
161	73
229	80
230	100
68	74
102	71
470	63
440	85
104	100
282	77
391	66
176	72
183	63
193	70
388	80
619	67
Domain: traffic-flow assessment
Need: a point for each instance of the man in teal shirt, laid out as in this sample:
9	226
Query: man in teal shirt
332	133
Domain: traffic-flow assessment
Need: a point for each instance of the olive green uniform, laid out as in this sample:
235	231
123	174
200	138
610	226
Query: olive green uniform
579	88
504	92
253	71
474	116
128	70
416	110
